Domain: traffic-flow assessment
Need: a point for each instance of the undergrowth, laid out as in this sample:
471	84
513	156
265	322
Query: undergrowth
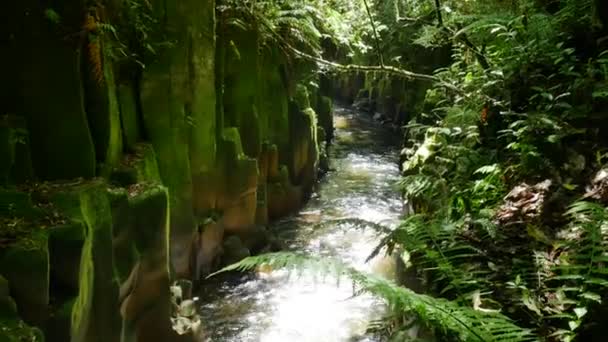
510	230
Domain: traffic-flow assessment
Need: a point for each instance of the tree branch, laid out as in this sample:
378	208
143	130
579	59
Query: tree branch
376	37
364	68
376	68
438	9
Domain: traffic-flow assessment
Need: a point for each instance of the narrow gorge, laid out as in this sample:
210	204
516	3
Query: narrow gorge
303	170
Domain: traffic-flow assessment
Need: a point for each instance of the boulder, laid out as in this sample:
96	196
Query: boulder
234	250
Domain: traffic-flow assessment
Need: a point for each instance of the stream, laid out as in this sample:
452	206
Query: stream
277	307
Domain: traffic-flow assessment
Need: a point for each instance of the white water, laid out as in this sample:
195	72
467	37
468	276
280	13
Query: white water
274	307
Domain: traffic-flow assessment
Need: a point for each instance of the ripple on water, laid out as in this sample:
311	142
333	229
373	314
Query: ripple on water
277	307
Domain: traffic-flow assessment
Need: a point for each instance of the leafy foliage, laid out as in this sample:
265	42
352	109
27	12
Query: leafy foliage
525	116
518	102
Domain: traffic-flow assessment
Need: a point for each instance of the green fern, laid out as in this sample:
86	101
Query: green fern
443	316
582	274
437	249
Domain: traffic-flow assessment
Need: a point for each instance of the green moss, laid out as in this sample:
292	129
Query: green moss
241	82
59	327
7	152
139	167
65	249
82	255
325	117
149	209
17	204
125	252
273	101
82	316
128	115
62	147
103	113
203	102
240	171
94	315
25	264
304	155
178	105
302	98
283	175
15	330
14	151
8	307
231	146
164	118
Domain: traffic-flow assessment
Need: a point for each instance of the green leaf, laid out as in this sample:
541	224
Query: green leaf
52	16
580	312
592	296
600	94
573	325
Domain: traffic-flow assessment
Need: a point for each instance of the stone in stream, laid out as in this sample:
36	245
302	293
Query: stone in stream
234	250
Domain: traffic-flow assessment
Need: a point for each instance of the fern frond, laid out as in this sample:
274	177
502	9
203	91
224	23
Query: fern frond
356	222
444	316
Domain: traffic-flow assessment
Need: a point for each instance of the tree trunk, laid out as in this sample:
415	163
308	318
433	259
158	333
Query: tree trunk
438	9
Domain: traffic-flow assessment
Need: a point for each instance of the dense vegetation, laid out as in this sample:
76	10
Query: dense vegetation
504	159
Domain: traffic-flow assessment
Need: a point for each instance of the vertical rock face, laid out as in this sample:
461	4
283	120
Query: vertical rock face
178	107
150	174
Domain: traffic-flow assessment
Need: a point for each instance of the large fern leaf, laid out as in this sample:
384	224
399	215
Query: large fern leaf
443	316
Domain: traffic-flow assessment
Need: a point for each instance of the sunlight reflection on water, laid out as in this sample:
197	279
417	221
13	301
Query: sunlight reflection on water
277	307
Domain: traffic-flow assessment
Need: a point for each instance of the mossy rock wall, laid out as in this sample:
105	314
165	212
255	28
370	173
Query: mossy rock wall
178	105
89	262
145	172
47	90
15	151
101	105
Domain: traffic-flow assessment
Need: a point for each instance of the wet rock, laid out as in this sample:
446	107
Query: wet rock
256	238
304	155
184	317
325	117
237	198
206	249
323	151
234	250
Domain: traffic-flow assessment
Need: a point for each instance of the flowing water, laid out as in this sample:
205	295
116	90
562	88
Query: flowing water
277	307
